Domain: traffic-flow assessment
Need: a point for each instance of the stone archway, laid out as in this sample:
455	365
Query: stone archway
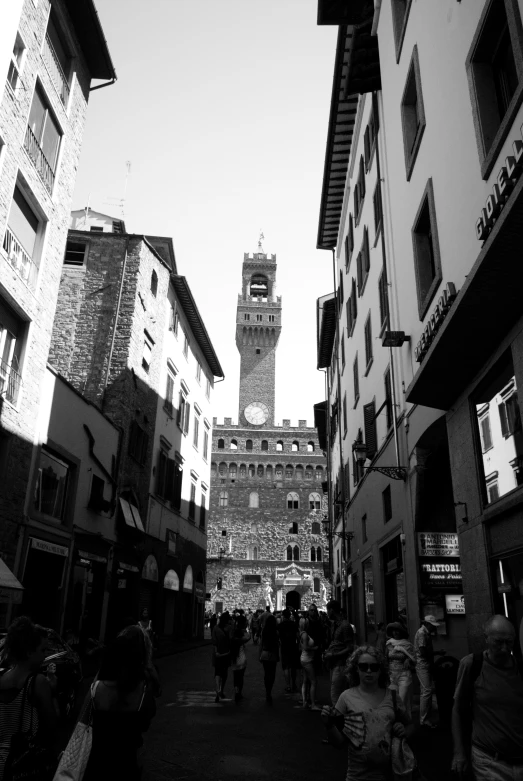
293	599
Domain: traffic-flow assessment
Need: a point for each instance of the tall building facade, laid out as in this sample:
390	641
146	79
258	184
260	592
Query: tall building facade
54	53
424	330
266	543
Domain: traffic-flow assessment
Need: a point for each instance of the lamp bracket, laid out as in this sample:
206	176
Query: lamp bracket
394	472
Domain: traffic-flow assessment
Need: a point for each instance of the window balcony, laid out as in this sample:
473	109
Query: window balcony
22	263
10	382
34	150
55	70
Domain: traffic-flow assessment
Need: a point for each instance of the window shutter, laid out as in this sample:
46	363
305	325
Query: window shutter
361	181
132	438
359	271
371	439
179	416
169	480
503	419
366	252
367	145
187	417
178	476
143	449
351	234
349	317
354	302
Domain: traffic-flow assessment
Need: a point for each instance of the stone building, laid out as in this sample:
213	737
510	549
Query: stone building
128	335
266	543
55	51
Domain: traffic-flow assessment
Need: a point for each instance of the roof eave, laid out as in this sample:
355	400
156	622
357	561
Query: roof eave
188	304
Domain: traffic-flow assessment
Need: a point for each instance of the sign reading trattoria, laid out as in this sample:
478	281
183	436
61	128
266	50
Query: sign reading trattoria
438	544
441	576
505	182
435	320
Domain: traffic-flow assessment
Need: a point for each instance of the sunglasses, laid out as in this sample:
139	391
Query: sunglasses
365	667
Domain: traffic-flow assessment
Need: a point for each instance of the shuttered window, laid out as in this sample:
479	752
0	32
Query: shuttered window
371	437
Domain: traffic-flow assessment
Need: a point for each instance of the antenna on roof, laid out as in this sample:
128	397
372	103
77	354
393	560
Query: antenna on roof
260	248
120	202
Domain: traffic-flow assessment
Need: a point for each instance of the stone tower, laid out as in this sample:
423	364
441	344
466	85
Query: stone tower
258	326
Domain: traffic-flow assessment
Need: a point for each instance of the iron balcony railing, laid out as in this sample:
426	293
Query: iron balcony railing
55	70
33	149
19	259
10	382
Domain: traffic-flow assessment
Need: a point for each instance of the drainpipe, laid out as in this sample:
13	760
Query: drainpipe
116	315
101	86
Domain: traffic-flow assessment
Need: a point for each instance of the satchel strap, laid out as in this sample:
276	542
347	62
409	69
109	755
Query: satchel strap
394	703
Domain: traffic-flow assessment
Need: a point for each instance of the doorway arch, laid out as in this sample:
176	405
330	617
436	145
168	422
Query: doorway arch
293	599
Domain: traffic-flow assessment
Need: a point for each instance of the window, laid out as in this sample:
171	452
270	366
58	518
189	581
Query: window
165	476
316	585
208	388
12	331
221	444
117	226
509	414
268	472
222	469
295	447
359	191
259	471
427	262
314	503
22	238
42	139
364	529
368	343
154	283
289	552
485	432
96	496
169	395
184	412
192	502
349	243
252	470
363	263
248	444
378	210
232	471
279	471
75	253
412	114
174	320
196	430
138	442
96	229
259	318
253	554
15	66
344	409
315	527
298	472
243	470
366	146
342	342
309	473
296	553
203	507
289	472
52	483
234	444
293	501
400	15
177	491
352	309
57	60
224	499
264	445
384	299
198	372
185	345
387	504
310	447
279	446
371	437
492	488
148	345
246	317
358	471
388	399
254	499
319	473
494	77
272	318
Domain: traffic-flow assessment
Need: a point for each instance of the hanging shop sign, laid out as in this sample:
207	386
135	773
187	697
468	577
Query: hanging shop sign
506	180
199	589
438	544
92	556
435	320
150	569
455	604
441	575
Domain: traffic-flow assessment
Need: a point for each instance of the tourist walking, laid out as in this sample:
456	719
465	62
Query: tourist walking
290	652
340	648
489	693
269	654
308	648
122	709
425	667
372	715
26	696
240	636
401	661
221	641
316	631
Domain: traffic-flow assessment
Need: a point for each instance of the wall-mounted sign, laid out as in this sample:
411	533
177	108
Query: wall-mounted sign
441	575
455	604
150	569
92	556
349	581
171	581
49	547
188	579
438	544
505	182
198	589
435	320
171	542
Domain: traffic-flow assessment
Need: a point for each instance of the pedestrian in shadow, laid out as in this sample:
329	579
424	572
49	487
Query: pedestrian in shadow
269	654
240	636
221	641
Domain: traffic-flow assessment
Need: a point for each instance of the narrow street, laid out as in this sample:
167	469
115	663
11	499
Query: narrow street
192	737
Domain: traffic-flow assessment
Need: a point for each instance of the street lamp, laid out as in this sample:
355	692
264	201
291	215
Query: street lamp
359	448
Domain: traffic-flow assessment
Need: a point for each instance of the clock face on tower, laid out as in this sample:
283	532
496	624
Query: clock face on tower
256	413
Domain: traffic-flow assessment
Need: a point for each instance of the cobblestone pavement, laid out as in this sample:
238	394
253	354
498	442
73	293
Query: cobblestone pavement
193	738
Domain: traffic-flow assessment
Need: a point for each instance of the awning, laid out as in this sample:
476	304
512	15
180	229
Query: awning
131	515
486	308
7	579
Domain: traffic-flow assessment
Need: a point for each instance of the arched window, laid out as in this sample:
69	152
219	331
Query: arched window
254	528
248	444
316	585
254	499
279	446
279	471
154	283
293	501
223	469
298	474
289	472
318	554
232	471
264	444
314	501
234	444
221	444
252	470
243	470
268	472
309	473
214	468
319	473
313	554
260	471
295	446
224	498
296	553
310	447
316	527
289	552
254	553
259	286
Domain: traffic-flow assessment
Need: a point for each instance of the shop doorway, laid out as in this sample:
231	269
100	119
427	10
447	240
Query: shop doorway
507	581
293	599
43	582
395	596
88	584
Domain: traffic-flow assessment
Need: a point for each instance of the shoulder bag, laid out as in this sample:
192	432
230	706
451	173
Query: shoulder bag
76	755
28	760
403	759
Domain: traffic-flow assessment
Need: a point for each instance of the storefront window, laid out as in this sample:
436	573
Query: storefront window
499	431
368	581
51	485
507	581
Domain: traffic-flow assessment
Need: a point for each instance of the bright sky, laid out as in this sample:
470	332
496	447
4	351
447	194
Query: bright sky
222	108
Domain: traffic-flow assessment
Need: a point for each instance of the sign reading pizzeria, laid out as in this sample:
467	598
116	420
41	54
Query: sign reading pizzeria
435	320
506	180
438	544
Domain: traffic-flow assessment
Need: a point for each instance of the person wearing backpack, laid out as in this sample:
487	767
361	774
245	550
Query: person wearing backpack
487	723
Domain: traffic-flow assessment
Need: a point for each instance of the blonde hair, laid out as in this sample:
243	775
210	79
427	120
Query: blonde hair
351	669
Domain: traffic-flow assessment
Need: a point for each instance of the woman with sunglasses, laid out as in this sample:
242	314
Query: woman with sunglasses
370	717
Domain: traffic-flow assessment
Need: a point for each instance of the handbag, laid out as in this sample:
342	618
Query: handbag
76	755
403	759
28	759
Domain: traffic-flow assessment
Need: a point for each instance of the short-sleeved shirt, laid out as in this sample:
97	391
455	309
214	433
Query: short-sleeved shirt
369	733
342	640
497	706
422	639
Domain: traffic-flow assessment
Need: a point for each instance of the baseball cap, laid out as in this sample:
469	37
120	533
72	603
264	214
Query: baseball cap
431	620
